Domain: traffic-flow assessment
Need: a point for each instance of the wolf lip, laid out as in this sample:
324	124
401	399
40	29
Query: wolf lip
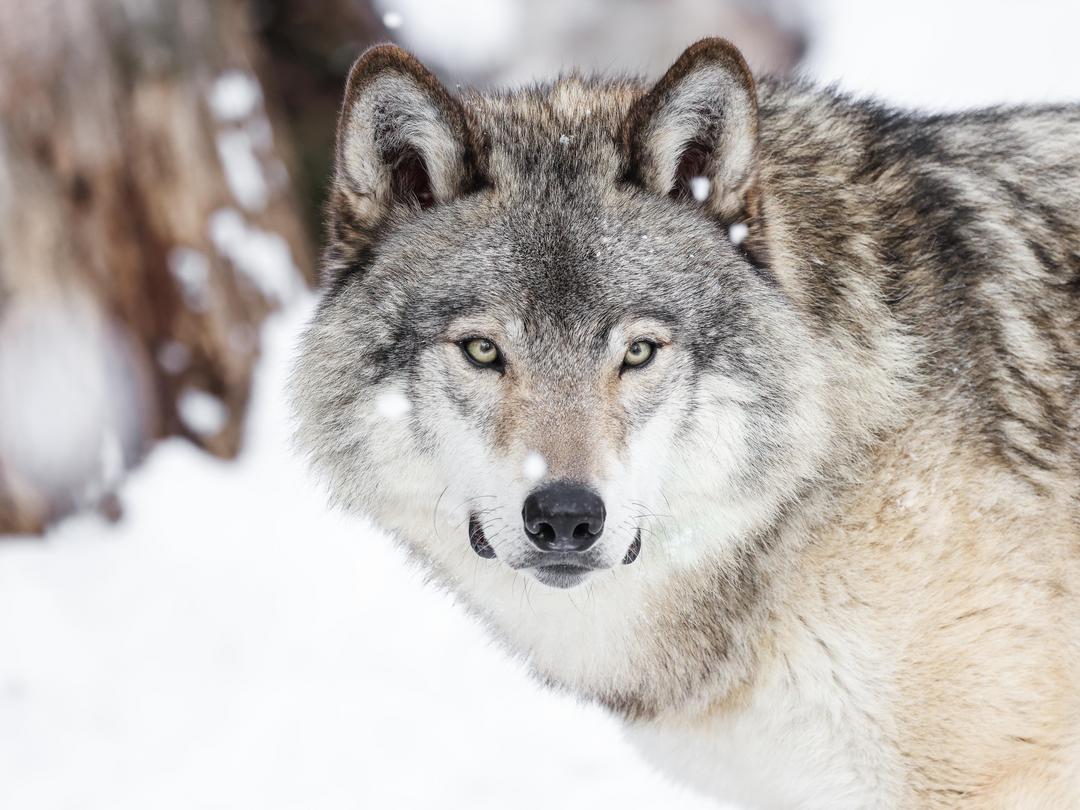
561	575
634	550
477	539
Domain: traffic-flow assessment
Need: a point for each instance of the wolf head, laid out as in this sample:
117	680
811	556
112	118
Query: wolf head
553	352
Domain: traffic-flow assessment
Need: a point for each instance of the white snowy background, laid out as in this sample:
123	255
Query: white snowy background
232	644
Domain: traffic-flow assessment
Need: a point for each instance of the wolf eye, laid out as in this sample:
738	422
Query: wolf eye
482	352
639	354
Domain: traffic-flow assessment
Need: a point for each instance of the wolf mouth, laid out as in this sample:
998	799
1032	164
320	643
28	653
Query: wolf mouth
562	575
560	570
477	539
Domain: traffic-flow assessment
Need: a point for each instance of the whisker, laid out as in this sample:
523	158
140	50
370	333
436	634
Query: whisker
435	512
656	515
528	598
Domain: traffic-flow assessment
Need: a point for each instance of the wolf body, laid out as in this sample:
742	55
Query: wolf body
839	501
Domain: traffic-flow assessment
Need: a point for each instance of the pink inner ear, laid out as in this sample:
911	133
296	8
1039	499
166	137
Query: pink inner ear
693	162
411	181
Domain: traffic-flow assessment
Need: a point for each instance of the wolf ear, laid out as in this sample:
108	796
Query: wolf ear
699	121
402	139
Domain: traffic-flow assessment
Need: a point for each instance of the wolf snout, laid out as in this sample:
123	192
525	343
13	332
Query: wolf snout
563	516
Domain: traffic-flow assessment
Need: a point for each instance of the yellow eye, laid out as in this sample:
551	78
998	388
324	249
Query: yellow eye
481	351
639	353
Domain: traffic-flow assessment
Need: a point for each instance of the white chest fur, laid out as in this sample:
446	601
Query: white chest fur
813	734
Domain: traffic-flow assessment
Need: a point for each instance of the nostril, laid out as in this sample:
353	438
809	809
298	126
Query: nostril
563	516
543	533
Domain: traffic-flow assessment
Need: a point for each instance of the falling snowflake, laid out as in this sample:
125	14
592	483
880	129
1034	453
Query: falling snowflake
234	95
201	412
392	404
191	269
737	233
700	188
534	467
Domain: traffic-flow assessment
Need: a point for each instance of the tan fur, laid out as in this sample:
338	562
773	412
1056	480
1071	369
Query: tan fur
853	471
965	585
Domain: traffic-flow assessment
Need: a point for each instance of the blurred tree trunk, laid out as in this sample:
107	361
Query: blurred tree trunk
310	46
147	227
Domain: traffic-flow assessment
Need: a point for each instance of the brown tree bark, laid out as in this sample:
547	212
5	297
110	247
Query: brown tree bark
146	229
310	46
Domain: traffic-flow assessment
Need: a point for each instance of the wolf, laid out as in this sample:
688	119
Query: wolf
743	408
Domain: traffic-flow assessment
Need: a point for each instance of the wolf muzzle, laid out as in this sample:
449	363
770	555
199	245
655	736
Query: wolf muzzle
564	517
563	520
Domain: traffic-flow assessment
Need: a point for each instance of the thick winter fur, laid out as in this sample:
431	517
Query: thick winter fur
854	461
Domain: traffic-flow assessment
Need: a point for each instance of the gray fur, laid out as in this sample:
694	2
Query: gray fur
901	271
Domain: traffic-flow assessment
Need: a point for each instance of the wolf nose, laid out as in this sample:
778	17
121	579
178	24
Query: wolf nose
563	517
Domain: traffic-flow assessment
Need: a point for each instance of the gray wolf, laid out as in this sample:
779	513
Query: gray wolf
742	408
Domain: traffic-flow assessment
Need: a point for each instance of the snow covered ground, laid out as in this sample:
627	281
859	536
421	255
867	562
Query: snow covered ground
232	644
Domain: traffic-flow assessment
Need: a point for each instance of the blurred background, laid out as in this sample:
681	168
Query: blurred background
183	623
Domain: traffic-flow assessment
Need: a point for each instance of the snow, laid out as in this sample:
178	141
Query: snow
202	413
392	405
243	172
469	35
393	20
234	643
234	95
112	460
262	256
235	98
68	385
927	53
534	467
191	269
231	642
700	188
948	56
174	357
737	233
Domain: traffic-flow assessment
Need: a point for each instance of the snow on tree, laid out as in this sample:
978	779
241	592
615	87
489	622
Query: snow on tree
147	227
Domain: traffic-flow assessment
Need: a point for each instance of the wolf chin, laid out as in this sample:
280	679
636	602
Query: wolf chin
744	409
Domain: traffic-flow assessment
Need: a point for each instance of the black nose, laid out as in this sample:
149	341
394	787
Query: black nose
563	517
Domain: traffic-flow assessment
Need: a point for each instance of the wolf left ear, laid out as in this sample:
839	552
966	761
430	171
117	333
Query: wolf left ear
403	141
699	121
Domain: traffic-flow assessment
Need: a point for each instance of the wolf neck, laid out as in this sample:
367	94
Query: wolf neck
687	642
932	254
694	635
697	635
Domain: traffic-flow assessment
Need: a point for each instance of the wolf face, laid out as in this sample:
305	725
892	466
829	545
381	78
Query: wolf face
763	435
542	357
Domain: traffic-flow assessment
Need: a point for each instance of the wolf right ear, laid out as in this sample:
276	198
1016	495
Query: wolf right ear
699	121
402	140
